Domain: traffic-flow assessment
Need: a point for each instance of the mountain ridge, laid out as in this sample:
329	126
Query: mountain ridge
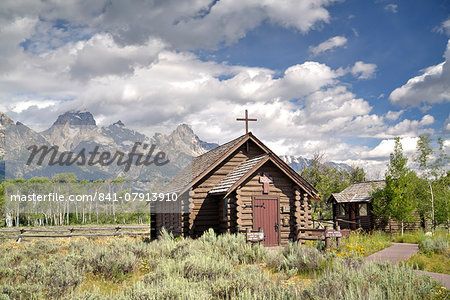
76	130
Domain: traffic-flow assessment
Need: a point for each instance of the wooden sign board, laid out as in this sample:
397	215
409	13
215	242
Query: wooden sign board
286	209
255	236
333	234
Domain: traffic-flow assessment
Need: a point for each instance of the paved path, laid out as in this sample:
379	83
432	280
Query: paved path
394	254
402	251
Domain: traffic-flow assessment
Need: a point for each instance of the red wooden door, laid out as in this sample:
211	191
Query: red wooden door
266	216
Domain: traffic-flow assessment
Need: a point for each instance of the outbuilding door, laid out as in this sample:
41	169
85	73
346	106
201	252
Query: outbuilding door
266	216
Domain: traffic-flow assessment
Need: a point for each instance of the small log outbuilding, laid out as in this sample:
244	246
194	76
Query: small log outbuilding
239	187
352	209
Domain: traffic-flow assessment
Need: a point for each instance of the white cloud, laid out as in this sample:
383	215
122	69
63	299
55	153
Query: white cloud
331	43
446	129
182	24
129	61
433	86
393	8
100	56
363	70
386	147
444	27
409	128
393	115
20	106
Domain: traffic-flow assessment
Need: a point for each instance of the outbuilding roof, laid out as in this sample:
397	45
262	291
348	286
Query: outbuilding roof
357	192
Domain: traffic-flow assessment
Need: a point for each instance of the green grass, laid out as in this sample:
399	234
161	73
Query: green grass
437	263
210	267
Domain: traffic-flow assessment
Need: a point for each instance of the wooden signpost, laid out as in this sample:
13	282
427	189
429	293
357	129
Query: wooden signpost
254	236
333	234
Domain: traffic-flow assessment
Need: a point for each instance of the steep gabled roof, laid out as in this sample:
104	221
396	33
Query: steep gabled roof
357	192
204	164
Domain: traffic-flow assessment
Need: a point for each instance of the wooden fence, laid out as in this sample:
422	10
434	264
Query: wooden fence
67	232
329	231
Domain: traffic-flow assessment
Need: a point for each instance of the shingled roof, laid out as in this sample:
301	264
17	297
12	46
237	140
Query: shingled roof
239	172
357	192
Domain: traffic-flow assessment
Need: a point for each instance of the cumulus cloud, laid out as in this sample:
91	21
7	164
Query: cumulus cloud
432	86
100	56
386	147
182	24
129	61
328	45
362	70
410	128
393	115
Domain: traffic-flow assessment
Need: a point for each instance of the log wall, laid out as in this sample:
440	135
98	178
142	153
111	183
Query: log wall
293	214
208	210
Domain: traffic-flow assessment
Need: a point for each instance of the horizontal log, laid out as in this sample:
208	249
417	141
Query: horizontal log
310	239
72	229
75	235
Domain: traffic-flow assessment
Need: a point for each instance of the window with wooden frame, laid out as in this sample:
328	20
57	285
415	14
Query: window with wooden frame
341	210
363	210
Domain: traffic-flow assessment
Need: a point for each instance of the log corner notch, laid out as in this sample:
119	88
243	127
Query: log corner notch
302	214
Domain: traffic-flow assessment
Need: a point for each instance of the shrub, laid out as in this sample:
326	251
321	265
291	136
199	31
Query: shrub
21	291
430	246
169	288
232	246
113	263
206	267
60	276
296	256
371	281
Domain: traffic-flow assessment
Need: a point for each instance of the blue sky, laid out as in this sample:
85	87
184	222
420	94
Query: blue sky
341	78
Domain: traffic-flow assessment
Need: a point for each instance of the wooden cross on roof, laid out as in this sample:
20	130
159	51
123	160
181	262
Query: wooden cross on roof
246	119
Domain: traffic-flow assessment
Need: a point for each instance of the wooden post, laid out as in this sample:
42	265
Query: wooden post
22	231
338	239
327	239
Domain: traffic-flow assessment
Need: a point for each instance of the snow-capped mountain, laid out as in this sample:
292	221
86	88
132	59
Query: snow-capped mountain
75	130
299	163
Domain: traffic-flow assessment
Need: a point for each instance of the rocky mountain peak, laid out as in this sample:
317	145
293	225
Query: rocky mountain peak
184	130
5	120
119	123
76	118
